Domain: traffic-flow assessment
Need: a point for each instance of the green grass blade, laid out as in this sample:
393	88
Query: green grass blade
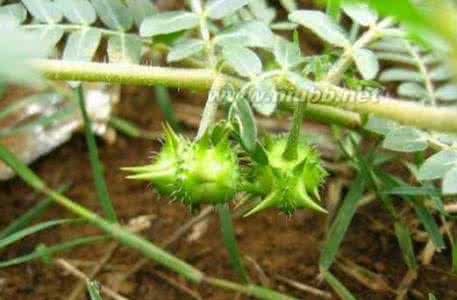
406	245
31	230
228	235
53	249
409	193
97	168
130	129
94	290
342	221
338	287
454	257
21	169
31	215
163	100
429	223
28	217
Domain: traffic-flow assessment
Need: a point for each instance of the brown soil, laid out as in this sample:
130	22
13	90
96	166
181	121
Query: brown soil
280	245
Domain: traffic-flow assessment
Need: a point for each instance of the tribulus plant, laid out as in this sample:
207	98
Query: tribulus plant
287	182
384	80
205	171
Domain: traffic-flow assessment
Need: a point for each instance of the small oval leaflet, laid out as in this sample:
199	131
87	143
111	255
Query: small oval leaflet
77	11
399	74
322	25
140	9
367	63
44	11
185	49
125	48
447	92
14	12
436	166
81	45
245	62
168	22
450	182
113	14
287	54
405	139
412	90
218	9
360	12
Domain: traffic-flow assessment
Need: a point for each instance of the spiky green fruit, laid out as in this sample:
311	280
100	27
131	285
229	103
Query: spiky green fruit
204	171
288	184
163	171
210	173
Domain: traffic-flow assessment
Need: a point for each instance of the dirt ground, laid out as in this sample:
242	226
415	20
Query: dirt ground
271	242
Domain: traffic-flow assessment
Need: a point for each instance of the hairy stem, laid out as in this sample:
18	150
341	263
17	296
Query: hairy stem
196	79
290	153
404	112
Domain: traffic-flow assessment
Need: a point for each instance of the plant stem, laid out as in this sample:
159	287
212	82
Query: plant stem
211	106
228	235
404	112
172	77
97	168
290	153
196	79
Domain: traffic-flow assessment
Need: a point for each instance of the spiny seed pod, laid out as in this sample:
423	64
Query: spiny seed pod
288	184
205	171
210	173
163	171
